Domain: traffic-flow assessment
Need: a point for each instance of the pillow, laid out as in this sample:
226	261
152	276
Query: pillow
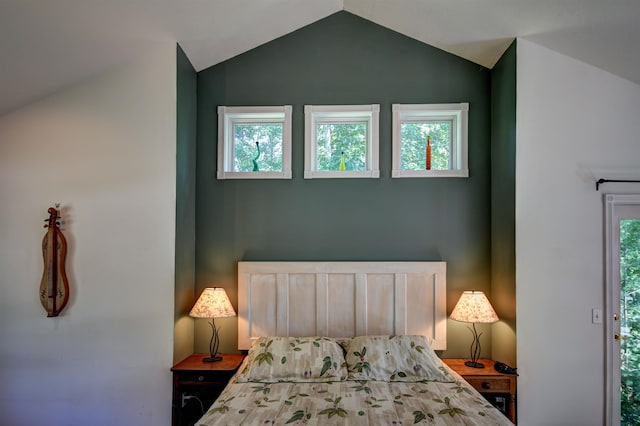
294	359
394	359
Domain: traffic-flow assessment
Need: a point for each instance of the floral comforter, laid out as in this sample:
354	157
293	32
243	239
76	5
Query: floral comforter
352	403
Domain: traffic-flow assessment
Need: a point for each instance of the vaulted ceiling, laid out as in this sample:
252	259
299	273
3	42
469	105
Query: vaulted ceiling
46	46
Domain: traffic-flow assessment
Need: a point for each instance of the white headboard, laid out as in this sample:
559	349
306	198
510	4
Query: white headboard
341	299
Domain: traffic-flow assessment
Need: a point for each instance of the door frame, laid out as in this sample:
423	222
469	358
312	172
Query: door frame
614	205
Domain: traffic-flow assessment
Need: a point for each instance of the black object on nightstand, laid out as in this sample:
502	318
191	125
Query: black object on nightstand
197	384
503	368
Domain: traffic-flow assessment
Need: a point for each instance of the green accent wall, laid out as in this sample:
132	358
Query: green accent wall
344	59
186	92
503	204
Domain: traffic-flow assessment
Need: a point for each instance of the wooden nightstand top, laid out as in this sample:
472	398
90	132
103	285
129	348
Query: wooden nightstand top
229	362
457	364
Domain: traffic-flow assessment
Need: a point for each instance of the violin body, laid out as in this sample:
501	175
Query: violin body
54	286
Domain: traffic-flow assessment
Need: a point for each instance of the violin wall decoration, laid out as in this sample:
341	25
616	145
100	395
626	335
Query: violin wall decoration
54	287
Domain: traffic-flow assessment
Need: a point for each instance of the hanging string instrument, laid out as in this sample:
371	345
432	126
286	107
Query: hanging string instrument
54	287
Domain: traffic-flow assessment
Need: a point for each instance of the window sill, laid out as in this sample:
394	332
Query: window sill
373	174
253	175
430	173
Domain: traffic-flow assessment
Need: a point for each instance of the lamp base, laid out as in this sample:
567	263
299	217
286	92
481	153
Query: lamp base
474	364
212	359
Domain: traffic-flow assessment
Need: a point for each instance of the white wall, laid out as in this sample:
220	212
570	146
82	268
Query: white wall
571	119
106	151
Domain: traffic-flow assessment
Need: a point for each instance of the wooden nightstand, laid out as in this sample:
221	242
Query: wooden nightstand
498	388
203	381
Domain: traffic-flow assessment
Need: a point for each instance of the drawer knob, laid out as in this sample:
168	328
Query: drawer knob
200	378
486	385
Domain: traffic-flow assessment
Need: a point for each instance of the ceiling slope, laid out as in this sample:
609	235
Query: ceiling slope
47	45
603	34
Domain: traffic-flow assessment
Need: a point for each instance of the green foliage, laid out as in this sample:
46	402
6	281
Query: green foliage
362	387
327	363
414	143
334	139
459	388
265	355
299	415
265	389
362	364
245	137
338	141
419	416
334	409
223	408
630	320
417	347
450	410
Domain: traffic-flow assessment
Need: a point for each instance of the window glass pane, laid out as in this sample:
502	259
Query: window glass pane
337	139
629	321
266	156
413	137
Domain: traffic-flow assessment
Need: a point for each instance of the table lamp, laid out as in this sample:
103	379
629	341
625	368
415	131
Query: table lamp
213	303
473	307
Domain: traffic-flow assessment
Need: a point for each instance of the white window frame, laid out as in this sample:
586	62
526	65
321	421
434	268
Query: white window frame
229	116
457	113
319	114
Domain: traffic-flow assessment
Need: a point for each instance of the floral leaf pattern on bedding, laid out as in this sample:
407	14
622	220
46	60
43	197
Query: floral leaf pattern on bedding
452	411
419	348
393	358
431	393
398	398
419	416
301	359
351	403
374	402
265	389
327	363
459	387
264	402
362	386
362	364
264	355
223	408
334	409
299	415
295	344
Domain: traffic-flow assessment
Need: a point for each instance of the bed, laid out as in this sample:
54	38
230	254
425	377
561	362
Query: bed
347	343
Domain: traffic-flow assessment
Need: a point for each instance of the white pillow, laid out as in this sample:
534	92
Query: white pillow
394	359
294	359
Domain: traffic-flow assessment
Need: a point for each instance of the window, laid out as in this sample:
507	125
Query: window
341	141
444	125
254	142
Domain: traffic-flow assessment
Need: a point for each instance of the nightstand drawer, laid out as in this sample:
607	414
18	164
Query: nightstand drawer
218	377
490	384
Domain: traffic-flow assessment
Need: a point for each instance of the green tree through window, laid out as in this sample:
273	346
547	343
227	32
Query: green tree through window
630	321
413	138
269	136
337	138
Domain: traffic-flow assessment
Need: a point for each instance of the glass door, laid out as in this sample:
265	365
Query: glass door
629	321
623	316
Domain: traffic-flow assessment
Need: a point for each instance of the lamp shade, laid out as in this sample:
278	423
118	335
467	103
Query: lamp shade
473	306
213	303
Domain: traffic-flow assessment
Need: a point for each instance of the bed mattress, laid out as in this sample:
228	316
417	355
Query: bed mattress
352	403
